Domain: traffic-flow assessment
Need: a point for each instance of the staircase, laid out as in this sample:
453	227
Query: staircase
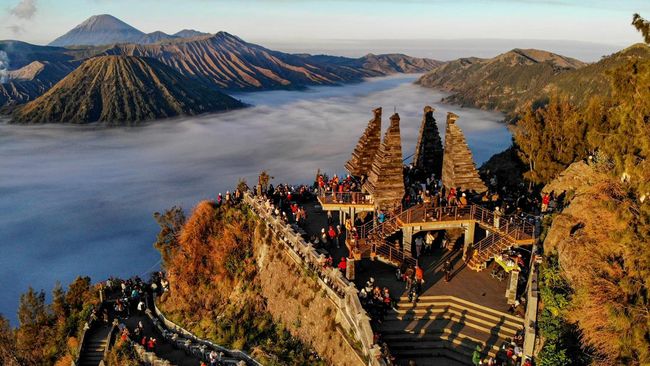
94	344
441	330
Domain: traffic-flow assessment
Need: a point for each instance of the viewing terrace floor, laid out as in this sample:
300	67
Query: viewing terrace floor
476	287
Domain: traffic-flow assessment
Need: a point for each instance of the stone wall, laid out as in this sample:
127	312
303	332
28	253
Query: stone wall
316	304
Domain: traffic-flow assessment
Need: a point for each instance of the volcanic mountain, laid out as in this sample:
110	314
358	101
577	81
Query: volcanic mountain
98	30
31	81
500	82
122	90
231	63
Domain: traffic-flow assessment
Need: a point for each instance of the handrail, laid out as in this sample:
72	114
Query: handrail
350	198
505	228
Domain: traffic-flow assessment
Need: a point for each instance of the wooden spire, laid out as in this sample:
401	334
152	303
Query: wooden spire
386	179
458	168
367	147
428	151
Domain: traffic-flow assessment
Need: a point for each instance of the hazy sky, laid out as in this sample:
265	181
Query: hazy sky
602	21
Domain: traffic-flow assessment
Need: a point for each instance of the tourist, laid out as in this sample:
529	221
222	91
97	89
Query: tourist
428	242
339	237
151	344
343	265
446	268
331	233
141	307
381	217
418	247
323	237
476	356
546	199
497	217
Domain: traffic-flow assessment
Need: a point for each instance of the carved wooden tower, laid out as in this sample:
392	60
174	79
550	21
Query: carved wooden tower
428	151
458	168
386	179
367	147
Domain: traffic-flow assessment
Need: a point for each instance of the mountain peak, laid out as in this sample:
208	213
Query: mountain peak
104	22
189	33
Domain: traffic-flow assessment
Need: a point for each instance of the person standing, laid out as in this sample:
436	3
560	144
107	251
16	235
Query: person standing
446	268
418	247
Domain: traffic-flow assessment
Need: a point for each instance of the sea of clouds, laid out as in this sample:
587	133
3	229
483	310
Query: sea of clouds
79	199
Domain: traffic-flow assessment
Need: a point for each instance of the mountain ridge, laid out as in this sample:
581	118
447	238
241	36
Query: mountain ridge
122	90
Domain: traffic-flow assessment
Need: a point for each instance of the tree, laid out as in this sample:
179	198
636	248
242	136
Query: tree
642	26
34	335
171	222
7	344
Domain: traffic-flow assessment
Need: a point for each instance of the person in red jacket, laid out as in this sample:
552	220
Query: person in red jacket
151	344
343	265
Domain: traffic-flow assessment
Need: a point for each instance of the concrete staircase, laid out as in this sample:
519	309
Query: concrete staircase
441	330
95	341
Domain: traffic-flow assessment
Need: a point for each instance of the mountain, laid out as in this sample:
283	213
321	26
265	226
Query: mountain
384	64
231	63
580	84
20	54
98	30
190	33
31	81
501	82
122	90
154	37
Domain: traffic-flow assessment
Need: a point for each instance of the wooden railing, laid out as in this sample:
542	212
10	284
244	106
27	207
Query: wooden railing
345	198
506	229
341	291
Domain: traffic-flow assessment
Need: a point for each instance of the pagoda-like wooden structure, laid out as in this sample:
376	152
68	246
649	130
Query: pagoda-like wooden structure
367	147
458	168
428	151
386	180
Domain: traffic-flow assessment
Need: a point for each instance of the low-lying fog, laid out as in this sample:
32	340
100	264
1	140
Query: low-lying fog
79	200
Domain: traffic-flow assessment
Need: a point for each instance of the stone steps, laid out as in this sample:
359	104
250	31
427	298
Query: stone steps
446	327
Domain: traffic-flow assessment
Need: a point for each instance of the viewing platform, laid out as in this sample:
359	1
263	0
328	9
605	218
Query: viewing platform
347	201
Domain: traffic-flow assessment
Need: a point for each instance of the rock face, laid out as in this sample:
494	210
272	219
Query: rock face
428	151
386	180
98	30
120	90
367	147
458	168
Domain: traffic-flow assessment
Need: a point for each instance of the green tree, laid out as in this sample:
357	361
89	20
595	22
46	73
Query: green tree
171	222
34	335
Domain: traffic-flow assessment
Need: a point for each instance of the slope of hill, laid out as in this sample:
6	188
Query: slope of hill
581	84
498	83
120	90
231	63
98	30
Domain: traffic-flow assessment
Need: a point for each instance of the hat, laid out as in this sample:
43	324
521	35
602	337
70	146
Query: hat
463	194
322	230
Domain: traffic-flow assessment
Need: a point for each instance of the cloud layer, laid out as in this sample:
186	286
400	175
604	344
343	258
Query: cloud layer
79	200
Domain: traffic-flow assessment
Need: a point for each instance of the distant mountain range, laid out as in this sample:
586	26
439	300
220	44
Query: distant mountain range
122	90
510	80
106	29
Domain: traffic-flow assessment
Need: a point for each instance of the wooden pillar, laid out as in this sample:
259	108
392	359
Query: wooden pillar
407	239
350	269
469	239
